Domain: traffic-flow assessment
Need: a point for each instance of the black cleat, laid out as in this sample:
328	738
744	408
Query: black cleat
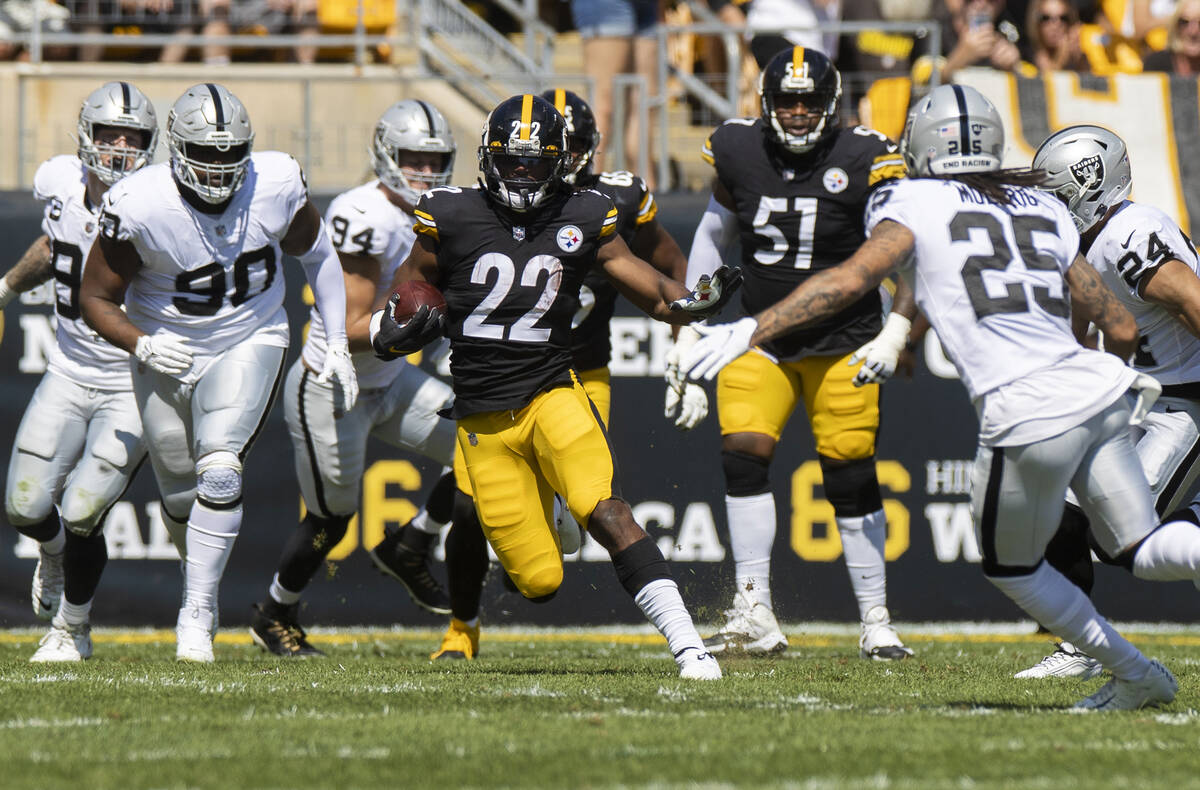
412	569
281	635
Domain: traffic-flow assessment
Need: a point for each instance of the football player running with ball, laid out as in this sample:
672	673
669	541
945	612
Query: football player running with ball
192	249
994	263
510	257
80	440
1151	266
792	185
412	149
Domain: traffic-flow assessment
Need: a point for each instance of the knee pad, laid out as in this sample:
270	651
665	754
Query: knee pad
541	584
851	486
745	474
856	444
219	480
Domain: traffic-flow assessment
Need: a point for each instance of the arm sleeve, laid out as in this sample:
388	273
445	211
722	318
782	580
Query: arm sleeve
714	235
324	273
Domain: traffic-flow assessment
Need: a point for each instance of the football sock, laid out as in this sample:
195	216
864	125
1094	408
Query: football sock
660	602
83	564
282	595
466	560
307	547
1063	608
74	613
177	530
48	532
210	537
1068	551
439	507
862	544
751	537
1170	553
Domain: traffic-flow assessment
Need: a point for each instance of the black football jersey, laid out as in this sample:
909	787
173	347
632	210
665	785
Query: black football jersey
511	290
799	214
591	345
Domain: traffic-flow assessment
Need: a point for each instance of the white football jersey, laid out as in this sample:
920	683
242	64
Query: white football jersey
362	221
212	279
1132	244
70	222
990	280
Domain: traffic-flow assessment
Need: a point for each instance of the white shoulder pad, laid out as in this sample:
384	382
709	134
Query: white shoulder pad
361	221
58	176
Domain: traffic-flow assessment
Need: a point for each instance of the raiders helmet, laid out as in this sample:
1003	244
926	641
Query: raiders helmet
210	137
583	138
1088	168
810	74
523	154
953	130
411	125
118	105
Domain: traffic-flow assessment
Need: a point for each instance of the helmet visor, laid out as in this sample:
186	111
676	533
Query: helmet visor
529	169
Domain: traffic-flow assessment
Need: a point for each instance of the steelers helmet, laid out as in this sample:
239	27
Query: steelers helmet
411	125
953	130
116	105
583	138
210	137
810	74
523	155
1088	168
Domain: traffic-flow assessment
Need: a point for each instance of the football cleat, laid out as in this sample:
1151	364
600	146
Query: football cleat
1158	687
194	635
280	635
461	641
879	641
64	643
1064	662
46	590
412	570
697	664
749	628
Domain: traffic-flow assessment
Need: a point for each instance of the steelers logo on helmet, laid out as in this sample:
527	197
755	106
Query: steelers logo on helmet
583	137
569	238
800	95
523	152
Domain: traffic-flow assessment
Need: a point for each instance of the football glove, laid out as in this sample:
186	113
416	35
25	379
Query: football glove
1148	389
391	339
339	365
718	346
711	293
688	398
163	353
880	356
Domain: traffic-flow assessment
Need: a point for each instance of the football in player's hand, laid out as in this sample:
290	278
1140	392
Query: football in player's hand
411	296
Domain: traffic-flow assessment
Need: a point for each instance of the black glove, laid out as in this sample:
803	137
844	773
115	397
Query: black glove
710	294
399	340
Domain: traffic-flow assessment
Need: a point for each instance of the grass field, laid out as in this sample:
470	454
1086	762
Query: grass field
556	709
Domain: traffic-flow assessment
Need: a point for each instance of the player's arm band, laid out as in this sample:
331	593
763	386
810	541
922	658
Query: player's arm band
324	273
714	235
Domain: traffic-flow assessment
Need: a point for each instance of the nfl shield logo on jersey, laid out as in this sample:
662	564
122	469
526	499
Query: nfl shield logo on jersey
835	180
518	233
1088	171
569	238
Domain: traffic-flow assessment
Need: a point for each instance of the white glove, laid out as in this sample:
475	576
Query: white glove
339	365
689	399
880	355
1148	389
720	345
163	353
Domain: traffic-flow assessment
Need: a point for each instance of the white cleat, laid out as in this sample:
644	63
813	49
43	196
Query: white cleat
570	535
697	664
194	635
749	628
1064	662
46	590
64	643
1157	688
879	641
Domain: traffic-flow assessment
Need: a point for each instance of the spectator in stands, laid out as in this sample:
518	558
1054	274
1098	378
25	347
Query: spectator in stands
16	17
272	17
618	38
1182	55
1052	27
980	33
797	18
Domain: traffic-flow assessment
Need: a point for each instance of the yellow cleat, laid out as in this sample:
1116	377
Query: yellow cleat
461	641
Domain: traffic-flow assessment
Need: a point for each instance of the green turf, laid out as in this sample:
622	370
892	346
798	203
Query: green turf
559	712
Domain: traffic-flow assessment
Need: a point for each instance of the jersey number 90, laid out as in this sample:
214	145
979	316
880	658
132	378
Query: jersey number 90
202	291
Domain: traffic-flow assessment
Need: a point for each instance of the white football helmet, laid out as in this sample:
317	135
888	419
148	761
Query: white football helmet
953	130
210	138
1087	167
118	105
411	125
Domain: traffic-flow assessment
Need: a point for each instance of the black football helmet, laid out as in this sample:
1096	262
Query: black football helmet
583	138
810	75
523	156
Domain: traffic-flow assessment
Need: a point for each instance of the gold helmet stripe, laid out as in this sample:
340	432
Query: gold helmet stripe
526	115
797	61
560	100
